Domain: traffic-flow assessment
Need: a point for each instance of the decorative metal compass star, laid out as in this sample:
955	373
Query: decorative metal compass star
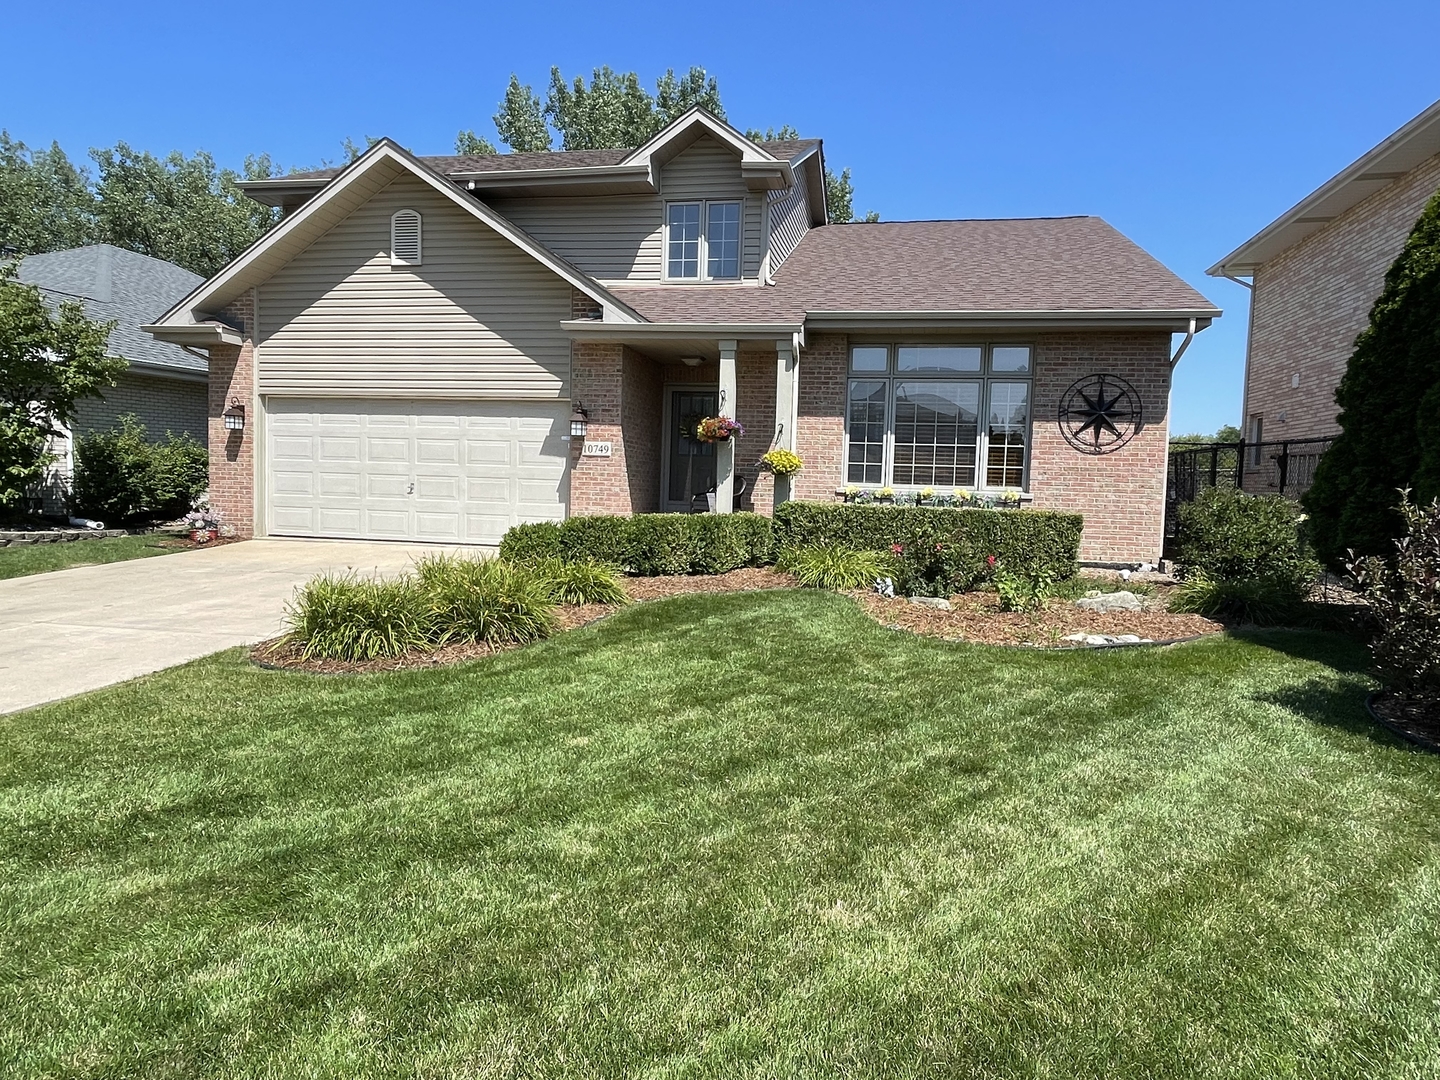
1100	414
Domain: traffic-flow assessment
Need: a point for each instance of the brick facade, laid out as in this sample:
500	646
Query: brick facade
161	404
1121	495
1311	301
232	453
621	393
820	424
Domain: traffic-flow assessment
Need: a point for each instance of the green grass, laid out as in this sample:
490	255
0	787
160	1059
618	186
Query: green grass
727	836
21	560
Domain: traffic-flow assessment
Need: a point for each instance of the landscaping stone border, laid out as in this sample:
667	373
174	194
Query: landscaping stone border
57	536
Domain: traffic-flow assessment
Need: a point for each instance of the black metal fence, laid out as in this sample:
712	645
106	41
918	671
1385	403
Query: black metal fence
1264	468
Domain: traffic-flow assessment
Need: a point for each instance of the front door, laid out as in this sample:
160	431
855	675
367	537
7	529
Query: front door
689	465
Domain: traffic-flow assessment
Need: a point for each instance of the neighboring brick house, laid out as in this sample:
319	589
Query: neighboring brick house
409	343
165	385
1317	270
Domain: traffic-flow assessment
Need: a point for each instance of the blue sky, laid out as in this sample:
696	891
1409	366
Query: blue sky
1188	126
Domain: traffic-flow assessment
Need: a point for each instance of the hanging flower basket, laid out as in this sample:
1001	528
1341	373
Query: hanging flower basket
714	429
781	462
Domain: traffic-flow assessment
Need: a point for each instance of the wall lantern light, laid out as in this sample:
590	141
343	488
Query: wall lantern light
235	416
579	418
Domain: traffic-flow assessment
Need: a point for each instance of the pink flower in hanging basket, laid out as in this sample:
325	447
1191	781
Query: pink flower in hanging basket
718	429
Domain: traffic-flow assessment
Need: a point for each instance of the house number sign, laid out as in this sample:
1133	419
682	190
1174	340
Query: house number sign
594	448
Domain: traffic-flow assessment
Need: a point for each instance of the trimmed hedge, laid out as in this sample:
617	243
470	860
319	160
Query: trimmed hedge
950	545
649	545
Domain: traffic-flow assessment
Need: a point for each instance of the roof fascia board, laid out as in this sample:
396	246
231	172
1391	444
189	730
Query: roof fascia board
165	371
1242	262
879	320
499	177
748	150
201	333
386	150
596	330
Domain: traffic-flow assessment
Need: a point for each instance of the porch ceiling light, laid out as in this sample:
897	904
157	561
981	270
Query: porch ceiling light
235	416
579	419
691	361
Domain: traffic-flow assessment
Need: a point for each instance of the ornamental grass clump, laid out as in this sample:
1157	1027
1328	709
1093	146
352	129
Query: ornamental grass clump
345	617
585	581
1261	601
1404	595
831	567
484	601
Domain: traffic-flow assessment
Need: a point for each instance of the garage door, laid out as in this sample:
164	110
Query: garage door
444	472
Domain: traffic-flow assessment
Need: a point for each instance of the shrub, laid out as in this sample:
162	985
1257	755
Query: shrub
664	544
484	600
1026	541
1261	601
121	476
350	618
1228	535
531	542
650	544
1404	594
605	538
582	582
1389	399
1025	591
833	567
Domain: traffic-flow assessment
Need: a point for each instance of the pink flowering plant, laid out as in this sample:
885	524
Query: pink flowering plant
713	429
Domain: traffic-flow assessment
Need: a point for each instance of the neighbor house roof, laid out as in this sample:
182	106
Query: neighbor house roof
1045	268
1417	141
132	289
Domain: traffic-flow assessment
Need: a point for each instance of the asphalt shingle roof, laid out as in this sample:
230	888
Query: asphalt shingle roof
453	164
1013	264
117	284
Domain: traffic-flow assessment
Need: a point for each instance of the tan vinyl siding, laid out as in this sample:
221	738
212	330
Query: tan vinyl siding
708	170
479	318
789	222
612	238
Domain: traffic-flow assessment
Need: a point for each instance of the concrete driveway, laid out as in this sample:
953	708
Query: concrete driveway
74	630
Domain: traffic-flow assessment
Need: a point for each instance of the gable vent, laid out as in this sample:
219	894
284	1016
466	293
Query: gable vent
405	238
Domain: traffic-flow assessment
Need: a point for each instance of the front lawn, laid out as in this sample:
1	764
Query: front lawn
21	560
726	836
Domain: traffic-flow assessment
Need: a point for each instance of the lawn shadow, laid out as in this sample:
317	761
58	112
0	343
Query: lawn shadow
1341	652
1325	704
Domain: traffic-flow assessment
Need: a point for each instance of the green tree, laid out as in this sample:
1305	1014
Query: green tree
468	143
613	111
840	199
1389	400
45	201
675	97
48	362
1228	433
184	210
521	119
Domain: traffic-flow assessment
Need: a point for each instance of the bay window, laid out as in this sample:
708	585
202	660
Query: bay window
938	416
702	236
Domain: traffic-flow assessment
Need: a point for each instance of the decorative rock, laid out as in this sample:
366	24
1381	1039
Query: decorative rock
1101	640
939	603
1115	601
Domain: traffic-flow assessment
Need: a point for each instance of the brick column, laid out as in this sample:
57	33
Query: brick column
820	425
232	453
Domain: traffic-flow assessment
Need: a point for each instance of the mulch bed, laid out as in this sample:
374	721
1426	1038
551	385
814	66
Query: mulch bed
657	588
977	618
185	543
1414	720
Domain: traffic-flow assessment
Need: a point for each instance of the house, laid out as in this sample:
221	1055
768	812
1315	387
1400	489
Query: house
165	385
1315	273
401	356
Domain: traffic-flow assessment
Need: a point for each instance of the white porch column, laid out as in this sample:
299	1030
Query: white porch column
787	401
725	451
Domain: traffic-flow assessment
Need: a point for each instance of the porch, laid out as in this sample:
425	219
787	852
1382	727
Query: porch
642	395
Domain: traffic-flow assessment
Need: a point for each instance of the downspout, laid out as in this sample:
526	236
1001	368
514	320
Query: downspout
197	354
1248	284
1189	337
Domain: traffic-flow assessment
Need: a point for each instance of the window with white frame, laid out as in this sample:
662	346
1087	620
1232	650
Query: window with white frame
702	241
943	416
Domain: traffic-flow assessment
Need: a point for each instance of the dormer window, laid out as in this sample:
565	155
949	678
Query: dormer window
405	238
702	236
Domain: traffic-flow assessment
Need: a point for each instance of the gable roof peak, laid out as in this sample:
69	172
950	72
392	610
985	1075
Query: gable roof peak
663	144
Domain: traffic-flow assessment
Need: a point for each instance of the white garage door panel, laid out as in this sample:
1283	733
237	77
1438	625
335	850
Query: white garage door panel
446	472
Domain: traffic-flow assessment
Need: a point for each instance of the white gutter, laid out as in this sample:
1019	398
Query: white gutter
1246	284
1189	337
1199	318
595	329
